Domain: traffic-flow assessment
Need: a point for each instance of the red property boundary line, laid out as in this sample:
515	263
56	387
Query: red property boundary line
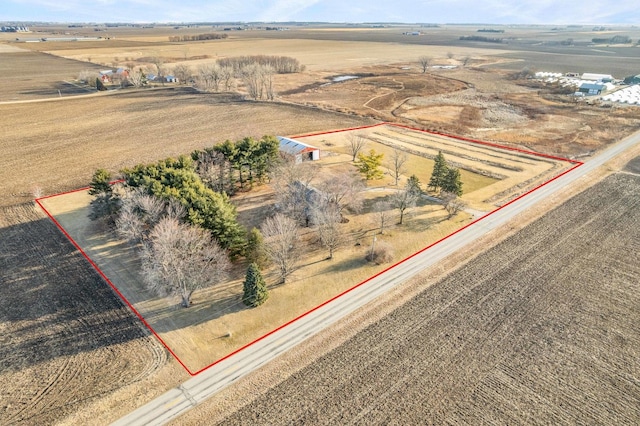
191	373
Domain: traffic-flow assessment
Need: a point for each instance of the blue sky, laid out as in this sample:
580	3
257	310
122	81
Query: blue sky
410	11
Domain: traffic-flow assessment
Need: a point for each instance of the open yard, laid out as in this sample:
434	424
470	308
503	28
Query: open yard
541	329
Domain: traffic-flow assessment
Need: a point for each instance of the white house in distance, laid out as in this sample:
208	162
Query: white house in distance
299	150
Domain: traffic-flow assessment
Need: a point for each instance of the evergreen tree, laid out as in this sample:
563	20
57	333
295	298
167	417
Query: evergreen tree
105	203
439	173
99	85
413	185
369	165
100	183
452	182
255	289
255	247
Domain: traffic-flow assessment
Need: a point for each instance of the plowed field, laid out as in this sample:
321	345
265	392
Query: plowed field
541	329
65	338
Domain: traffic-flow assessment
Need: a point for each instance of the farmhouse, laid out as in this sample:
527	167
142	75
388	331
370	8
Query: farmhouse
591	88
105	76
300	151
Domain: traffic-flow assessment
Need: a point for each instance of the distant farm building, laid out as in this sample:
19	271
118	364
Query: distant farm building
591	88
171	79
105	76
298	150
605	78
634	79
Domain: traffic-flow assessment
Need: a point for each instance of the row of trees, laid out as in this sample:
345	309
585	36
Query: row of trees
246	162
280	64
198	37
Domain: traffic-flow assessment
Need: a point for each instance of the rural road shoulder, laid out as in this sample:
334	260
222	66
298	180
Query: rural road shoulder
195	390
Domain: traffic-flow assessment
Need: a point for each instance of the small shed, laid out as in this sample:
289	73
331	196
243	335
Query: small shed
299	150
591	88
171	79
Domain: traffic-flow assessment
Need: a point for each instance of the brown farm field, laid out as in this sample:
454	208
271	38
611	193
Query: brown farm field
62	361
66	339
540	329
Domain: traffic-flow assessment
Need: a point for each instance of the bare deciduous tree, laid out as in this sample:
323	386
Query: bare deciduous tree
424	62
183	73
397	164
281	236
452	203
227	78
208	77
136	77
327	220
403	200
158	63
215	170
179	259
267	81
140	212
383	214
344	191
251	76
356	142
290	182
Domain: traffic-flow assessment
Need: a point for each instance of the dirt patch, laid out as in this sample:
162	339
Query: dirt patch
517	341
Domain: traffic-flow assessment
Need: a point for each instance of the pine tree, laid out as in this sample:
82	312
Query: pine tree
100	184
255	289
439	174
105	203
255	247
99	85
413	185
452	182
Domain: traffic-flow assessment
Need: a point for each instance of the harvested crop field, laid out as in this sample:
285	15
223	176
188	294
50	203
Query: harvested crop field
62	143
33	75
65	338
541	329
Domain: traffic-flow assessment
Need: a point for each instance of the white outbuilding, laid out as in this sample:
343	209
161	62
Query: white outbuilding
299	150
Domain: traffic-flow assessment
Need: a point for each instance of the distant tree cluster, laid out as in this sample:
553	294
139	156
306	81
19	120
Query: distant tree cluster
481	38
490	30
281	64
618	39
198	37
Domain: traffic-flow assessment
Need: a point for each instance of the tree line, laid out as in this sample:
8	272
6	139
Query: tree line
198	37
